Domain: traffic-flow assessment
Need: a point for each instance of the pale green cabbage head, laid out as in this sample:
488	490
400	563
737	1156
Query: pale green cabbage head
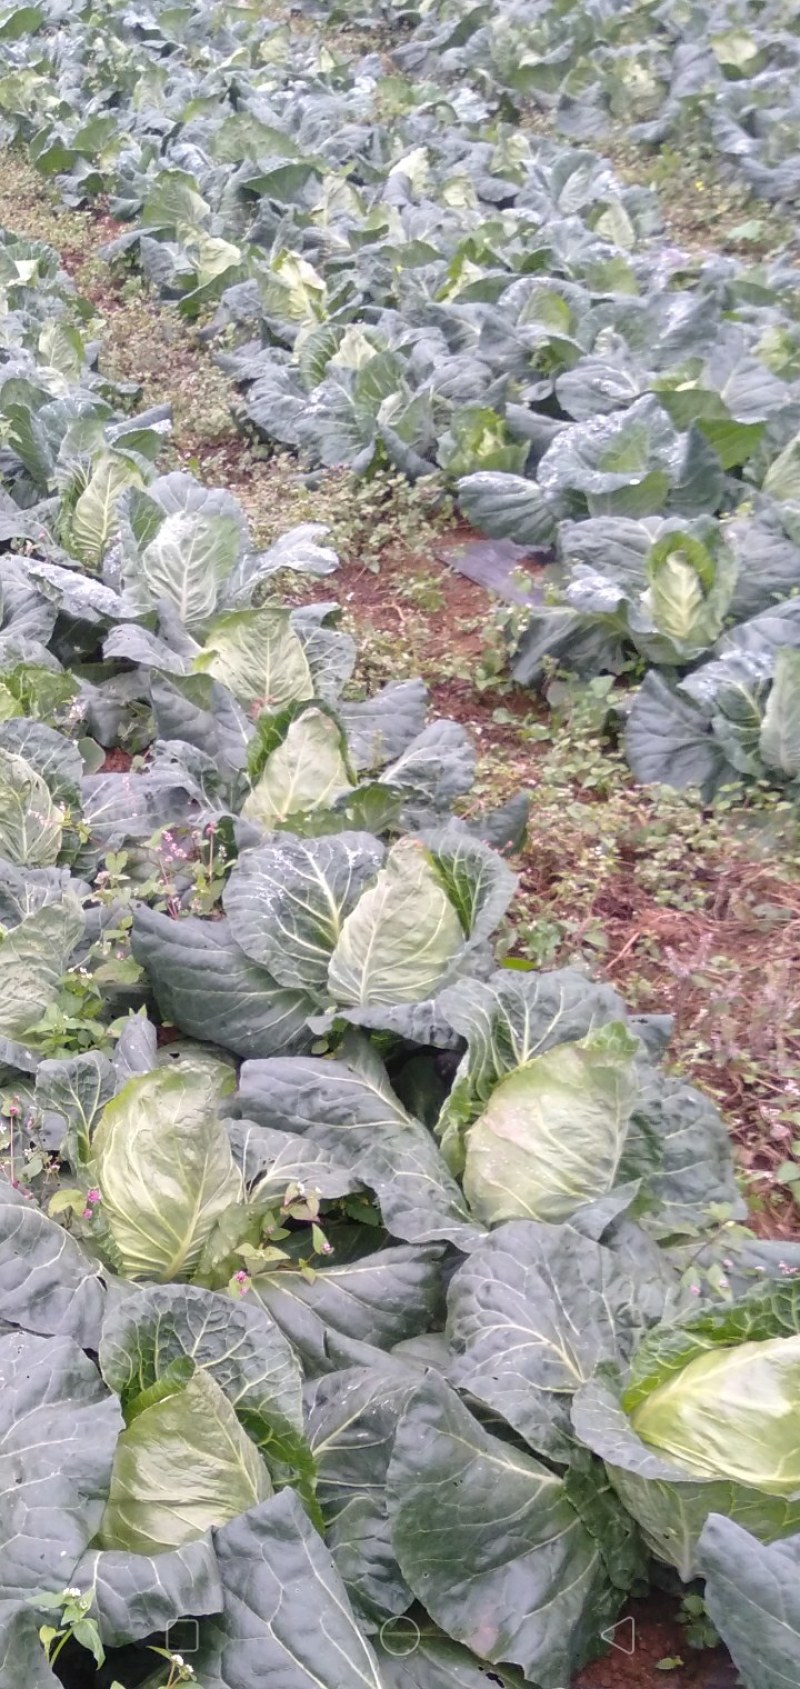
163	1164
183	1464
403	935
306	771
553	1131
731	1413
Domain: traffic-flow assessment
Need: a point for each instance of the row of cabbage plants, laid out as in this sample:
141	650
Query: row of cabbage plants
371	1311
723	73
399	270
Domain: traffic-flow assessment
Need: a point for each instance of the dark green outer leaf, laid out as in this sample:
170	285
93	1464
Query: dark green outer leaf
352	1418
695	1166
413	1654
668	739
286	1618
121	807
58	1432
593	1496
507	507
200	711
437	767
383	726
585	643
22	1658
137	1594
418	1023
378	1300
350	1110
137	1049
531	1314
209	988
272	1160
48	1284
504	828
752	1596
490	1544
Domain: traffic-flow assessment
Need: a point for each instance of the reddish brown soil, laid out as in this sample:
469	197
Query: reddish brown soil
116	762
656	1636
73	258
167	1035
458	625
751	1030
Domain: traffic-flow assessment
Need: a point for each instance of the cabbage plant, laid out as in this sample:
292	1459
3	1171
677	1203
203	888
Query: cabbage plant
706	1422
689	593
736	715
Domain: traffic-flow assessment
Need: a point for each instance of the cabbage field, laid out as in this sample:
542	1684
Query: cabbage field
378	1309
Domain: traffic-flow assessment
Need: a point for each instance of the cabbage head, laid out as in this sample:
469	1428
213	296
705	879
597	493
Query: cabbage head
706	1421
689	593
553	1132
165	1172
183	1464
732	1413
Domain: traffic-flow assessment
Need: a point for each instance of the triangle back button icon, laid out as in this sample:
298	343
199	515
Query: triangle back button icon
621	1635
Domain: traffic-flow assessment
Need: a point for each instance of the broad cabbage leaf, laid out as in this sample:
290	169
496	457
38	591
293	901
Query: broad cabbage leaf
752	1596
258	656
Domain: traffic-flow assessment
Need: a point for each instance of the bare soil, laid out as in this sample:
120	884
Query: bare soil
655	1638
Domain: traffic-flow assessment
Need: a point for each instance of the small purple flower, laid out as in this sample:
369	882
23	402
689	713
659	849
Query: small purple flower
92	1197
